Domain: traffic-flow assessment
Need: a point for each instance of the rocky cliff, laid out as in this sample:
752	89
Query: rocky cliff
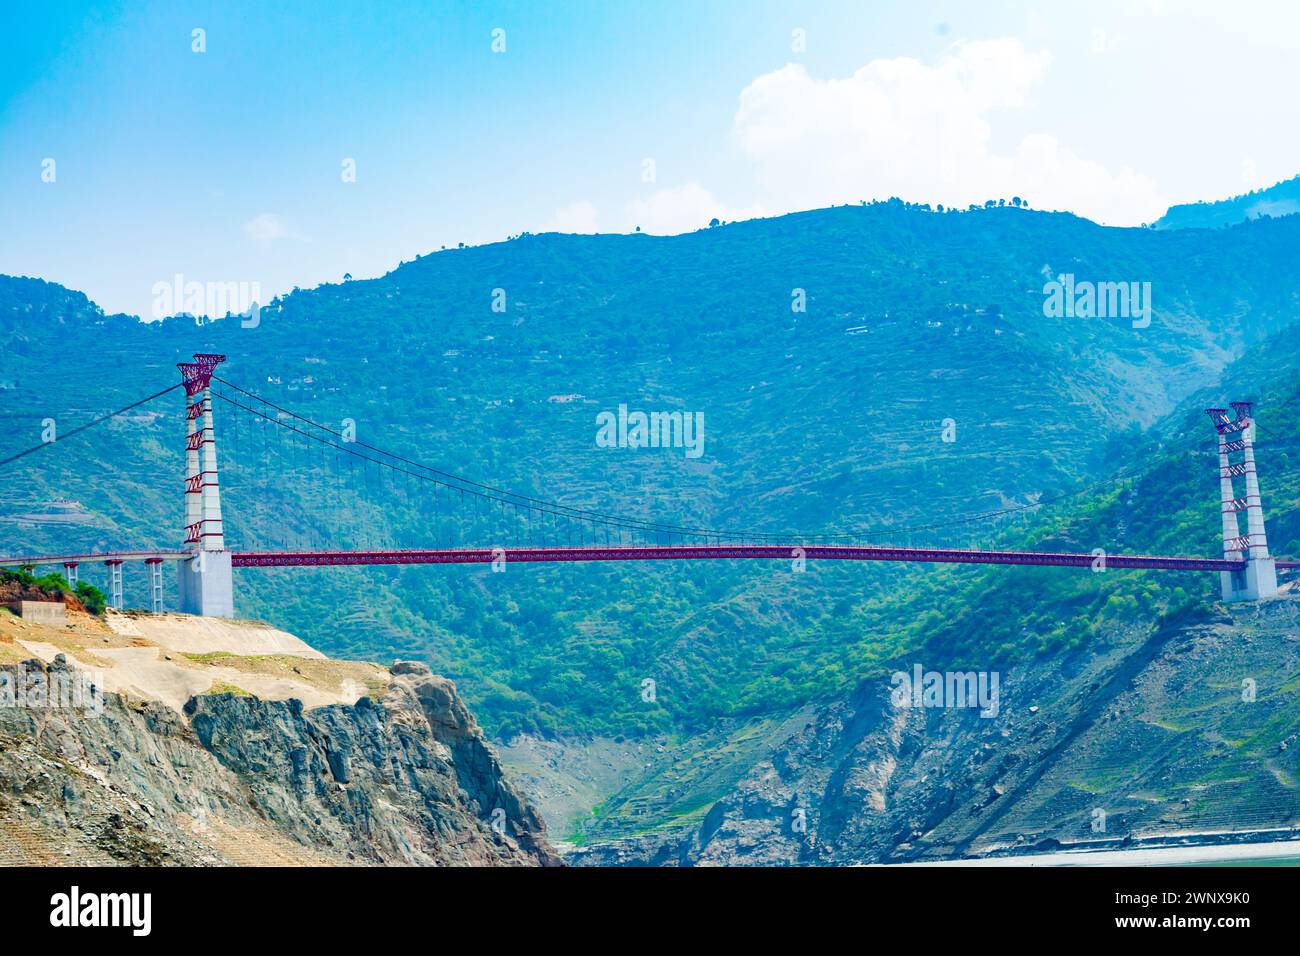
402	777
1190	733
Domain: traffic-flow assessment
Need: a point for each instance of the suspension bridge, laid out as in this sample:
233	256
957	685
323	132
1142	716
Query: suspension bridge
550	532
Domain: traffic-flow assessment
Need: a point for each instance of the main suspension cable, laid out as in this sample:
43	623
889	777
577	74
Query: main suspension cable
88	425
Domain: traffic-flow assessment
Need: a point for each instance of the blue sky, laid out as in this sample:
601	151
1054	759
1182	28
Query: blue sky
226	165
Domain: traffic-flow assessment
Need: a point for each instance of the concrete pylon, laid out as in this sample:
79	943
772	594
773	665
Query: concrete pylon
1258	577
207	584
213	535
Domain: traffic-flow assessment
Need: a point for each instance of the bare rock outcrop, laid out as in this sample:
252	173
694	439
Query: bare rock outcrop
404	780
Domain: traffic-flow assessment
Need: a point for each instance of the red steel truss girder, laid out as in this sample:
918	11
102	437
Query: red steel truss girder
268	559
273	559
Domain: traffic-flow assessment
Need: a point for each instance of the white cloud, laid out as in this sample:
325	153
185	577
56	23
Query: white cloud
675	209
681	209
900	127
267	227
580	217
667	211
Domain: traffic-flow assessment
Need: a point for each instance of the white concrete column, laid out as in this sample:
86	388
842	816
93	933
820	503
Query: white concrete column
1254	507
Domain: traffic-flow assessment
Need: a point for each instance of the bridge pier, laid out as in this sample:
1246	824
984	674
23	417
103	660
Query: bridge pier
154	567
207	585
1256	581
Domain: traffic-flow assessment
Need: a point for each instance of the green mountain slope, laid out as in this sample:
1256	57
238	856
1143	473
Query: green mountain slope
1134	680
831	418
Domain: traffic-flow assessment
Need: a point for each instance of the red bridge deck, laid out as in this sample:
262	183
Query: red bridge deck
273	559
297	559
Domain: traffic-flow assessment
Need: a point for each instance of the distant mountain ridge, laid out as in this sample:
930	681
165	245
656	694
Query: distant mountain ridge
916	323
1280	199
831	418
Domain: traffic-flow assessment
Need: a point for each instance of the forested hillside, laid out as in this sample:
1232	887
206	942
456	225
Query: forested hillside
919	326
1281	199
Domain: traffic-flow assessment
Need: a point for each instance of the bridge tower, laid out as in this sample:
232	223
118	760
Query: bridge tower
207	585
1258	579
